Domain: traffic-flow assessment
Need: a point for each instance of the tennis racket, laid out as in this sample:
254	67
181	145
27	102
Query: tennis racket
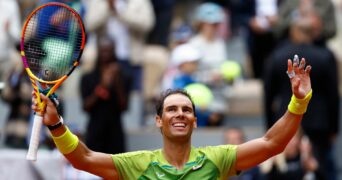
52	42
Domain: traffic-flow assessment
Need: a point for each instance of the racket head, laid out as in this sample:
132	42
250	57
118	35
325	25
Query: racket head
52	41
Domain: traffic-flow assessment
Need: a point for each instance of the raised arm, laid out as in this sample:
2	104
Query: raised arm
73	149
277	137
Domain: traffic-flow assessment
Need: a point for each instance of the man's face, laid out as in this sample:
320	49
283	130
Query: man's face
178	119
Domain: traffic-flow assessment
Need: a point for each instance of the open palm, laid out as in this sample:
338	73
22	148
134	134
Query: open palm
300	77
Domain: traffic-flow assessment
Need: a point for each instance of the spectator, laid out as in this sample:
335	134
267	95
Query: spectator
236	136
183	64
180	74
163	11
127	23
17	94
324	20
9	34
104	95
260	37
321	123
296	162
207	18
253	22
118	20
240	12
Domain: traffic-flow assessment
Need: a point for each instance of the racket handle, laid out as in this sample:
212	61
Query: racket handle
34	139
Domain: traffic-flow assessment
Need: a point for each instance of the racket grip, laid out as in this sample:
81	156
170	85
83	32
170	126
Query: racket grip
34	139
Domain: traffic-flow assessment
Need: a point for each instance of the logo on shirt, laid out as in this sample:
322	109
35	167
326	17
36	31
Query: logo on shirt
196	167
160	175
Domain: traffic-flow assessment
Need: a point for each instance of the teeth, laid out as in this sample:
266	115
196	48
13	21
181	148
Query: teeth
179	125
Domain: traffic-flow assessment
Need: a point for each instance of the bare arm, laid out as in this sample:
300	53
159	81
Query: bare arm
272	143
277	137
82	158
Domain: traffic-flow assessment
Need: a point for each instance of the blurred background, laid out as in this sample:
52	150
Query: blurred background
235	49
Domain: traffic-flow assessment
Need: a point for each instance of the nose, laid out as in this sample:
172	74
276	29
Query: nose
180	113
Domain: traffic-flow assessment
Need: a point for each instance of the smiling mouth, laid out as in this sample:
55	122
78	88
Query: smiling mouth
179	125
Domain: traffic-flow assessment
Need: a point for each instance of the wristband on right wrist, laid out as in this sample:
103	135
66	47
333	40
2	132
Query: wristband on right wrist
299	106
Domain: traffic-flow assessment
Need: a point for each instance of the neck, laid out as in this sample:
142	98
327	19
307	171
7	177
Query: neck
177	154
300	37
301	41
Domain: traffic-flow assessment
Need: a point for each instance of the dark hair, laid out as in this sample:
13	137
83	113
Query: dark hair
168	92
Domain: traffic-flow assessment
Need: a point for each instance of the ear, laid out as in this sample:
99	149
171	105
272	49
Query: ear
195	123
159	122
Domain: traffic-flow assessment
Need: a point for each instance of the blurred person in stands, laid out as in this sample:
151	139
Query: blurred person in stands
10	26
236	135
253	22
163	11
207	19
127	23
321	123
118	20
182	66
17	95
296	162
324	22
181	73
260	38
105	97
240	12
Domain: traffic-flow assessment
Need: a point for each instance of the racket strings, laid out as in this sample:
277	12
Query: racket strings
52	42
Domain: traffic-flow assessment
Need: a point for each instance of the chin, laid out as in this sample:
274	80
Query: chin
181	134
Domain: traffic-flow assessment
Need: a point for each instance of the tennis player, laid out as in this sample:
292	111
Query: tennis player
178	159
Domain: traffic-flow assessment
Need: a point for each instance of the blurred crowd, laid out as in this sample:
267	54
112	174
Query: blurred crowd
137	48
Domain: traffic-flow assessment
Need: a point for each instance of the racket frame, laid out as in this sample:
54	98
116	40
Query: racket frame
38	117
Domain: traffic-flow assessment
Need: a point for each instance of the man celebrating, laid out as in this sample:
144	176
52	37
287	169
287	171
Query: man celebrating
177	159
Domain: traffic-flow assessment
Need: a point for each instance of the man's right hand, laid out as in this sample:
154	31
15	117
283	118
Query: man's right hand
50	115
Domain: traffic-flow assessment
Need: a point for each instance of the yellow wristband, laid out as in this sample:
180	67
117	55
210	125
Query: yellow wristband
299	106
67	142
